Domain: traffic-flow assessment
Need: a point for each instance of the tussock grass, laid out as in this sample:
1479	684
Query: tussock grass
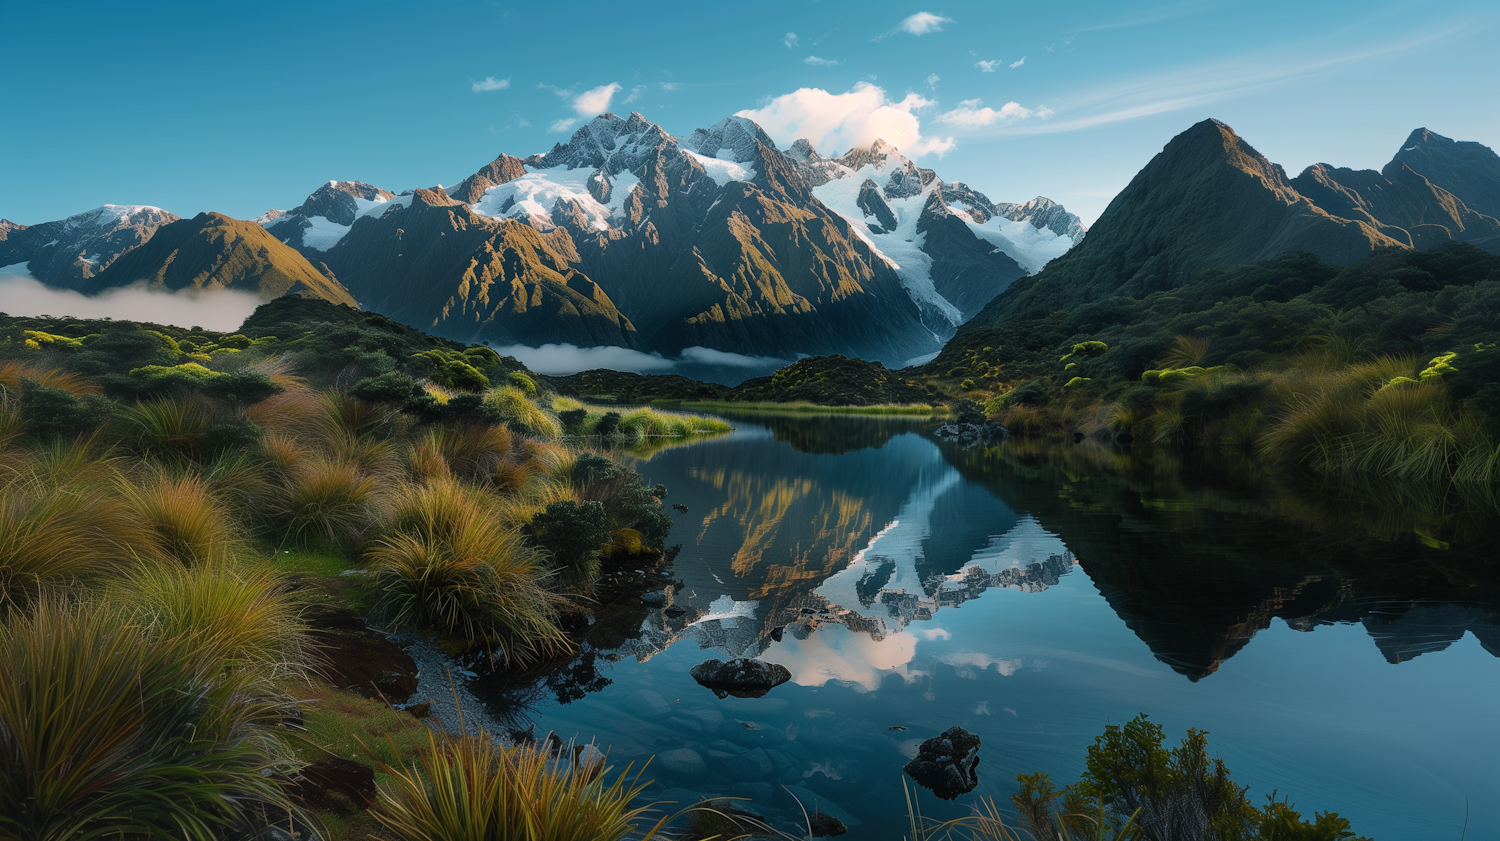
54	535
471	787
111	730
13	371
170	428
324	499
181	518
237	613
525	416
448	561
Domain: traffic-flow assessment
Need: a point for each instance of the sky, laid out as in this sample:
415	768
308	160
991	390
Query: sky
239	108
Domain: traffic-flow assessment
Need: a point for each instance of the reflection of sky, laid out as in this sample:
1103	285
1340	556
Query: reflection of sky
835	654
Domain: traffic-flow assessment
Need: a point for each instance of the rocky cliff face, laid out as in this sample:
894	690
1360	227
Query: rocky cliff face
1210	200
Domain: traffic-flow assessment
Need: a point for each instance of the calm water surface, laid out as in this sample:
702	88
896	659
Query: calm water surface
908	583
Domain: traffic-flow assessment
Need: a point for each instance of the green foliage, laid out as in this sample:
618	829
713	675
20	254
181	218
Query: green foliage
521	414
1086	350
55	413
1143	789
574	533
522	381
451	369
390	387
627	500
572	419
1438	367
833	381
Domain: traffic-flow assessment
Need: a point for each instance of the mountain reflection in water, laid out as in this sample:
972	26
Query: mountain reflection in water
1031	596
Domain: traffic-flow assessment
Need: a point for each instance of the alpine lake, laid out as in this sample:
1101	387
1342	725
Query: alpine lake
1341	654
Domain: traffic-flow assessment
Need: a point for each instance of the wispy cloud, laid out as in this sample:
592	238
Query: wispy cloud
790	40
522	122
988	66
922	23
820	62
635	93
932	81
490	83
671	86
562	125
1015	64
969	114
563	359
835	123
595	100
1205	84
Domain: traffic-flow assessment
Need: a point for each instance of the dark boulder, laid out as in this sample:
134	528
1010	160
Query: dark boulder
742	677
947	764
826	826
969	434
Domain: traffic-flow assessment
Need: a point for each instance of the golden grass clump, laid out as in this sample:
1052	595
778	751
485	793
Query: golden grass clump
449	561
233	610
182	519
54	534
325	499
111	730
13	371
468	787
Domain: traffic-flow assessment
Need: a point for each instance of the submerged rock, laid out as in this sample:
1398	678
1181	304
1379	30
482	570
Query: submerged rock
946	764
826	826
742	677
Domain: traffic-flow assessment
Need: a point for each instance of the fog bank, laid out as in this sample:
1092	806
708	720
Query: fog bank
221	309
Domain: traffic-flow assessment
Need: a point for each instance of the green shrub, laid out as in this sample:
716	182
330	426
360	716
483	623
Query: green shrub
609	424
390	387
525	383
627	500
574	533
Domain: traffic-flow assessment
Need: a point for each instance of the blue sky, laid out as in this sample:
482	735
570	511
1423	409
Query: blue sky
242	107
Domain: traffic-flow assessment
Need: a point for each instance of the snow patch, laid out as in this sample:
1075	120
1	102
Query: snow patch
720	169
323	234
901	248
536	193
1027	244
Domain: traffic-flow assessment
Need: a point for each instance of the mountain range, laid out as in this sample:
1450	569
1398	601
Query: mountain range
628	236
624	235
1209	200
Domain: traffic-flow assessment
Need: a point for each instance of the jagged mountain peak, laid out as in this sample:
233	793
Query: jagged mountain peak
67	252
607	142
739	136
341	202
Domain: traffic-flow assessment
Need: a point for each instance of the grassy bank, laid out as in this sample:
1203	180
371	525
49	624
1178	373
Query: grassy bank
804	408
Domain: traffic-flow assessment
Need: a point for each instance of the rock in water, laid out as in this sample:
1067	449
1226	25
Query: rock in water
742	677
826	826
947	763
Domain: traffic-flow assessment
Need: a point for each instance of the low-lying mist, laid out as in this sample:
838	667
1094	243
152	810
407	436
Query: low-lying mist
699	363
221	309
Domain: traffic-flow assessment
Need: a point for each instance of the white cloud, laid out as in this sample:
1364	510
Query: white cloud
987	66
523	122
981	662
562	125
635	93
790	40
1015	64
922	23
932	81
490	83
969	114
671	86
835	123
220	309
595	100
820	62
